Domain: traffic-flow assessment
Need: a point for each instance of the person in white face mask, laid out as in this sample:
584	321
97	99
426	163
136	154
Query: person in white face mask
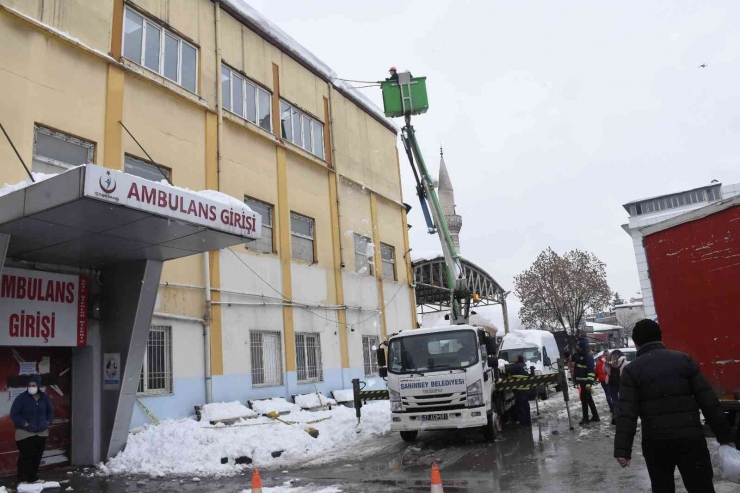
31	413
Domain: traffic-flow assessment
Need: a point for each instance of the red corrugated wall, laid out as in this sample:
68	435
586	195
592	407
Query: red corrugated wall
695	274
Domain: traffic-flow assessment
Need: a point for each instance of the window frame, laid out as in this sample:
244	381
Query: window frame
245	109
271	226
300	235
148	163
279	353
294	110
89	145
371	266
371	363
169	369
318	357
392	262
164	30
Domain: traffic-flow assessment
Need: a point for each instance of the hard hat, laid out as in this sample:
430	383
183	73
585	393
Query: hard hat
392	69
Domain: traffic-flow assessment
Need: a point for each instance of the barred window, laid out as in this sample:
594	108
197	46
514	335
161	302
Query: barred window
266	350
308	357
363	255
264	244
388	258
369	356
156	371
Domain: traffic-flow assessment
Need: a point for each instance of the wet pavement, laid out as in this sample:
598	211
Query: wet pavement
548	457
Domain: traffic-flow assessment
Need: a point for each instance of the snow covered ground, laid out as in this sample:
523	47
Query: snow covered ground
188	447
287	488
226	410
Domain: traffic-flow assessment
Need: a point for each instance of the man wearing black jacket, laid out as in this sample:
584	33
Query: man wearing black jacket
584	376
666	390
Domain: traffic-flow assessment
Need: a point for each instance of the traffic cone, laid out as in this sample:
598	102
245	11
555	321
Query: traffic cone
256	482
436	480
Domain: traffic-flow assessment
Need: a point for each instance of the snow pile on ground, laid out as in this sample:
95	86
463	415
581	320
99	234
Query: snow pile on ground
312	401
277	404
38	177
188	447
345	395
226	410
36	487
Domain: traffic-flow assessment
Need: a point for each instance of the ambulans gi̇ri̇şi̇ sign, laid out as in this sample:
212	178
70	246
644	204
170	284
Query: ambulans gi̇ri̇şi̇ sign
168	201
42	308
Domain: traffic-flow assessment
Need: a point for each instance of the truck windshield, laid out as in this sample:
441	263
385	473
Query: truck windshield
436	351
530	354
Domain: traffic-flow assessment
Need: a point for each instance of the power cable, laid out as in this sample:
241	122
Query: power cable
359	81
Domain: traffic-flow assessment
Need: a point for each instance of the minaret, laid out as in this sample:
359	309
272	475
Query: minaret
447	201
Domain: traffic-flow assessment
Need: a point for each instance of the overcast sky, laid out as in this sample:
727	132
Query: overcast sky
552	114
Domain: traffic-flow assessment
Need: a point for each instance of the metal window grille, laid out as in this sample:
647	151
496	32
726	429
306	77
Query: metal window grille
302	237
362	262
264	244
369	357
388	257
55	152
266	350
156	371
308	357
159	50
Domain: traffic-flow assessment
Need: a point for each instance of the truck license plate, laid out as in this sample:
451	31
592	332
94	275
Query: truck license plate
433	417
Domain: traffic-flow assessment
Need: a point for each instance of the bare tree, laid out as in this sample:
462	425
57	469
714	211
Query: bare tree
558	290
627	319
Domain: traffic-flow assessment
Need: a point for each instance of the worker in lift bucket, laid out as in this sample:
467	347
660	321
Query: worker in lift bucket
393	74
31	413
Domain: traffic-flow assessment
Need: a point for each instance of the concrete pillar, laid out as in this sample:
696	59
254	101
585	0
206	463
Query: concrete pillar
128	297
4	242
87	372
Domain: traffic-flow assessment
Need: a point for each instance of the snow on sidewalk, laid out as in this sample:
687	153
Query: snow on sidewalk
301	489
188	447
276	404
226	410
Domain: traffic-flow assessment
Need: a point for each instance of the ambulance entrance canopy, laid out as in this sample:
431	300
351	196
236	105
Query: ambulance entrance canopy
122	228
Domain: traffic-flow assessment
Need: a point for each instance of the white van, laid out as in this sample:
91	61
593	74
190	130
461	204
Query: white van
538	347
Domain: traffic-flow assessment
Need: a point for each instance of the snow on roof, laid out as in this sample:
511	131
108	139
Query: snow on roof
302	54
38	177
717	184
629	305
417	255
602	327
431	330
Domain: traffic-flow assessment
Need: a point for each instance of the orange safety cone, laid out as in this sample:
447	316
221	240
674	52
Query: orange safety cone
256	482
436	480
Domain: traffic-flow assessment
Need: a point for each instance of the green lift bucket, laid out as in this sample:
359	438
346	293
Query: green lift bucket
404	96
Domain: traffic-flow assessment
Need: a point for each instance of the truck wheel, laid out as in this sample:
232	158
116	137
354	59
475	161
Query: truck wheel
409	436
544	395
489	429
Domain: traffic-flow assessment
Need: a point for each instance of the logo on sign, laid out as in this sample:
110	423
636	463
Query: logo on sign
108	185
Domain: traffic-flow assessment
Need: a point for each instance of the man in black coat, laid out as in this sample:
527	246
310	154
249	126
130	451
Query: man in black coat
666	390
584	376
524	413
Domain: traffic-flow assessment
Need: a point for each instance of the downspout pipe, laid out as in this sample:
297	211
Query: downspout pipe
336	172
219	93
207	329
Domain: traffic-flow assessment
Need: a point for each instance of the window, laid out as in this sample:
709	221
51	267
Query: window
713	194
247	100
302	237
364	251
301	129
369	356
55	152
144	169
388	258
156	372
308	357
163	52
264	244
267	358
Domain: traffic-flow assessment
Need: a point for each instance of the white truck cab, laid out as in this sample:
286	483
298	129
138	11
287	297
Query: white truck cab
441	378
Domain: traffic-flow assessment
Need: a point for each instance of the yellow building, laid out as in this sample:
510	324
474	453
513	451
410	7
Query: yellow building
221	99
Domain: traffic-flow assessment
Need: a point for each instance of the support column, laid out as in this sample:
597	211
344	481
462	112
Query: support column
378	264
113	145
128	298
87	372
505	310
284	250
4	242
407	252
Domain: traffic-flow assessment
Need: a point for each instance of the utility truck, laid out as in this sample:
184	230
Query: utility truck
442	377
